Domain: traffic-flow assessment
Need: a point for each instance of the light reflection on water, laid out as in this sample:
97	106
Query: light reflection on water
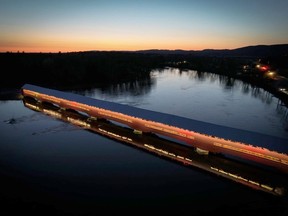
60	160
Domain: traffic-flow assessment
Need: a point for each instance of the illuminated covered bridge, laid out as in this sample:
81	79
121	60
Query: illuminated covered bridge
205	137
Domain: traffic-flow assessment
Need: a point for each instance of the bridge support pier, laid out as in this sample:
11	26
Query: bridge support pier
62	109
202	151
137	131
92	118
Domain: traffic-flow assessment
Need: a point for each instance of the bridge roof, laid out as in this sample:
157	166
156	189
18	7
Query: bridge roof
248	137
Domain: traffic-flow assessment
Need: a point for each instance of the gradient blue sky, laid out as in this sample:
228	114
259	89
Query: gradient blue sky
80	25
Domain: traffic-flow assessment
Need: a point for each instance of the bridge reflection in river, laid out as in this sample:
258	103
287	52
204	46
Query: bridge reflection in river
255	177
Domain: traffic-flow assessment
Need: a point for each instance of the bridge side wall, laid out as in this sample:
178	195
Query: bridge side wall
202	141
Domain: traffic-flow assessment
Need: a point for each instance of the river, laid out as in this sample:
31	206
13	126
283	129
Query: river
49	166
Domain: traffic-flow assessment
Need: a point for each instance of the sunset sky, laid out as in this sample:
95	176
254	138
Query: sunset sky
82	25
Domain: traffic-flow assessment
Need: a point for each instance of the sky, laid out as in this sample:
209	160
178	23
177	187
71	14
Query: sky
127	25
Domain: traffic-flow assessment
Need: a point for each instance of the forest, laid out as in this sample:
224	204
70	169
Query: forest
84	70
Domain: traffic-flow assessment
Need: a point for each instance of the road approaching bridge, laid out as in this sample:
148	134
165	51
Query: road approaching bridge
204	137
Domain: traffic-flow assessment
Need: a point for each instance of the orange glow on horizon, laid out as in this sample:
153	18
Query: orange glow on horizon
40	43
103	47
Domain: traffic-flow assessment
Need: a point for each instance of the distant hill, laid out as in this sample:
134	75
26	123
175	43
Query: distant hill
248	51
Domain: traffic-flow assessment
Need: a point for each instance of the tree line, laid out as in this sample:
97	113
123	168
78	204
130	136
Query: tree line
96	68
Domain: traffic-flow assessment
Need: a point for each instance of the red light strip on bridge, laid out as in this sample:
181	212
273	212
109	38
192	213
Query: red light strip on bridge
162	128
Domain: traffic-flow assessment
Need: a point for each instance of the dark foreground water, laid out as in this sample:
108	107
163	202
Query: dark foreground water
50	166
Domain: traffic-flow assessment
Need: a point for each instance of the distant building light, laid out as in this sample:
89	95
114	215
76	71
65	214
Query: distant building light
264	68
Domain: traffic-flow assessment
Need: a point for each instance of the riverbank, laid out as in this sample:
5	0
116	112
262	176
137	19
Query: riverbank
245	70
87	70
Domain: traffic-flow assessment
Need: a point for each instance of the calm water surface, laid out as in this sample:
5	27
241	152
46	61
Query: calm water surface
50	166
205	97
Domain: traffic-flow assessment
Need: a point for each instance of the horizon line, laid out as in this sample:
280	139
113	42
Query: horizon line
139	50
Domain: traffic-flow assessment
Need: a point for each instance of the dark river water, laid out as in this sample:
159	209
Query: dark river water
51	166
